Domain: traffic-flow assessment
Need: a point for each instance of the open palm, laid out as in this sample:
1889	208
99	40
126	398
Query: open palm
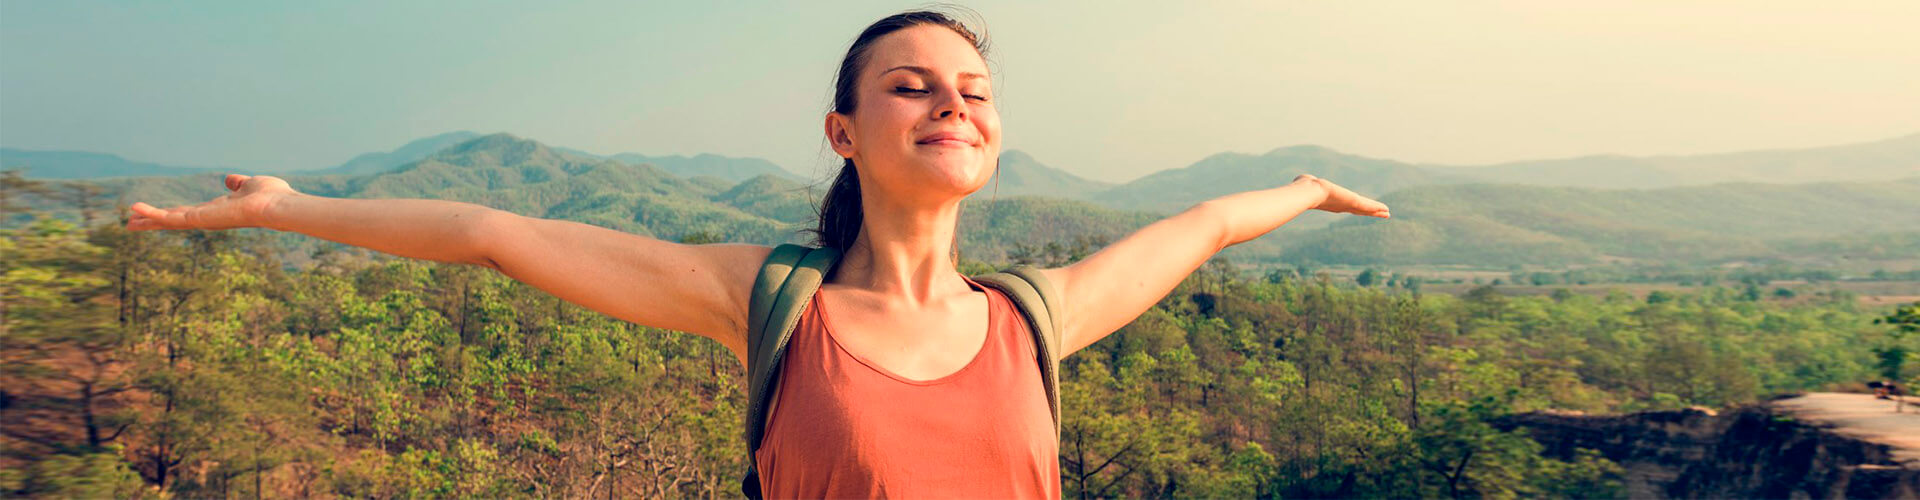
244	206
1345	201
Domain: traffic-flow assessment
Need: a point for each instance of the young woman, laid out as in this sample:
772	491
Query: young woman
902	375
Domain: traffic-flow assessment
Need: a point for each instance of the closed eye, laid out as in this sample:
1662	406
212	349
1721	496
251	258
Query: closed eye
911	90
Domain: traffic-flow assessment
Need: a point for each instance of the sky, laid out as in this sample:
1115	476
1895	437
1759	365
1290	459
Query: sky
1106	90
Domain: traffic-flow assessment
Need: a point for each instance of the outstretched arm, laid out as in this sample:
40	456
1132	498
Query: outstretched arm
699	289
434	230
1110	288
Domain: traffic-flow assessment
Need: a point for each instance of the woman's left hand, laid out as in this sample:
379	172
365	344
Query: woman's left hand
1345	201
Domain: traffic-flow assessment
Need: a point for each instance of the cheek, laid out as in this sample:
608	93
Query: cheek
886	125
989	125
897	113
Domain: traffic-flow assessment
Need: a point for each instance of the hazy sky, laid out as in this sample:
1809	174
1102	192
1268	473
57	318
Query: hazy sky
1108	90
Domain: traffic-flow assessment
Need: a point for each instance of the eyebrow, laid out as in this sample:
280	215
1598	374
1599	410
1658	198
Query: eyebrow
927	72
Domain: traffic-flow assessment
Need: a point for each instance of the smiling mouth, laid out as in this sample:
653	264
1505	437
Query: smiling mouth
947	142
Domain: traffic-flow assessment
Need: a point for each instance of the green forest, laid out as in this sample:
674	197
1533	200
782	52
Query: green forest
203	365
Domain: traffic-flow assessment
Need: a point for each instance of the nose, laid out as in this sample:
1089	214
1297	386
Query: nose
950	104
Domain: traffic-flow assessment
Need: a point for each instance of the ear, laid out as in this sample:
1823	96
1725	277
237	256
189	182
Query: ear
840	134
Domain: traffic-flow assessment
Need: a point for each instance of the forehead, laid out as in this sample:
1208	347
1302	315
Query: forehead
929	46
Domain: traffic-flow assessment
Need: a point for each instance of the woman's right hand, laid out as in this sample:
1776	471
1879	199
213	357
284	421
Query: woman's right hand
245	206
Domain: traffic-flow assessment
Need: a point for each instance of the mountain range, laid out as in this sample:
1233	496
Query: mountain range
85	165
1442	215
1493	225
1174	189
1019	174
381	161
1893	158
530	178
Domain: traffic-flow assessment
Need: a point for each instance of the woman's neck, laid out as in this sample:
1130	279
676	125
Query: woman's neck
904	252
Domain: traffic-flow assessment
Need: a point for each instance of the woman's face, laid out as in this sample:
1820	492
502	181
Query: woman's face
924	126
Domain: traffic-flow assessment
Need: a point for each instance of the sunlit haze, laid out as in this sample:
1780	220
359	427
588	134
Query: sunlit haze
1110	91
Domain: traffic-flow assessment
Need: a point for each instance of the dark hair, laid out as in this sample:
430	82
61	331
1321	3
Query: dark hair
840	212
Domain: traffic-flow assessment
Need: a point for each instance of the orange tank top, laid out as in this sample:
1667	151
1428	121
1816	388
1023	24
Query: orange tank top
844	427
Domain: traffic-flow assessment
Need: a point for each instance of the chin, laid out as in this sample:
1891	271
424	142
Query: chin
960	178
957	164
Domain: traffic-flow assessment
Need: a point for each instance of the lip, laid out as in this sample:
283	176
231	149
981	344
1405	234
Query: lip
945	139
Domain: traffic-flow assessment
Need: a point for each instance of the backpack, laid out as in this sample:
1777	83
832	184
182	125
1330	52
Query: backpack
787	282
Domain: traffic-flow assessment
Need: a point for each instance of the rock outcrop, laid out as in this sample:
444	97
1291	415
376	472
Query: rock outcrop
1813	446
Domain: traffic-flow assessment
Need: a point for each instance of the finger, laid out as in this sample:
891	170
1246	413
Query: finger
181	218
234	181
159	218
142	222
142	209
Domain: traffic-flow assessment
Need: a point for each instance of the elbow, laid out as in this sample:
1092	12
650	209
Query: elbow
484	230
484	262
1216	220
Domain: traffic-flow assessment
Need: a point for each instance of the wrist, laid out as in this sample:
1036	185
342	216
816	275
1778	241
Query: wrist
1320	191
272	214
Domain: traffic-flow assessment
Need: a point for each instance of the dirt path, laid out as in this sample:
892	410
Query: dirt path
1862	416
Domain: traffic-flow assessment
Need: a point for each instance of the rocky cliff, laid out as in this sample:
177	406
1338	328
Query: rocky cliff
1813	446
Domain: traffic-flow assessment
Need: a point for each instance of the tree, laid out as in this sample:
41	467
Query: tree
1468	458
16	190
82	195
1896	352
65	383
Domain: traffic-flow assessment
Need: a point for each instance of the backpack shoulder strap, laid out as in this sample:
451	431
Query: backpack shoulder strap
787	281
1040	302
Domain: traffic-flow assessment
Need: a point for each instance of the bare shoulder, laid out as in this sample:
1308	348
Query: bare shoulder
738	260
699	289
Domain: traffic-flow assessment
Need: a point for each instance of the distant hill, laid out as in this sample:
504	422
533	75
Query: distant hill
1019	174
1228	173
368	163
85	165
1880	160
1495	225
731	169
1170	191
773	197
524	177
992	229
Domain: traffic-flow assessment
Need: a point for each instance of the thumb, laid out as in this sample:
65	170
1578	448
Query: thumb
234	181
